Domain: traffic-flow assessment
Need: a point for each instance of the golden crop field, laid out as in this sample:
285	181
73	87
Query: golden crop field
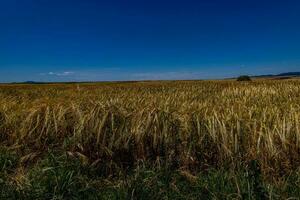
218	139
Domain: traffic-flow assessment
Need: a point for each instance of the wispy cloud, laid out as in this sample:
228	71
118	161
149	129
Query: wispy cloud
66	73
111	74
117	73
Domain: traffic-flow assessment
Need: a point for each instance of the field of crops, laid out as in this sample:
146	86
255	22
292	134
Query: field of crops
151	140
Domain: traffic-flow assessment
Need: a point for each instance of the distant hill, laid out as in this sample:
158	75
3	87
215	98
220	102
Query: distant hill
32	82
279	76
29	82
289	74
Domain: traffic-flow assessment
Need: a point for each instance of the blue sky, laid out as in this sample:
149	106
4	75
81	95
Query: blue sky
90	40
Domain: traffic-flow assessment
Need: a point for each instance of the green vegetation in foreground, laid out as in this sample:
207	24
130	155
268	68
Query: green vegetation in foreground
61	176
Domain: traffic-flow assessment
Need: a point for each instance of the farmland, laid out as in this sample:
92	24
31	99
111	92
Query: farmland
151	140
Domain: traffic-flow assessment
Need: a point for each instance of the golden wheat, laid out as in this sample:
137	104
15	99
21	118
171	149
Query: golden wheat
190	124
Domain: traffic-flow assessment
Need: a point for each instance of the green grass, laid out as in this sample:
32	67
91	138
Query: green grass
59	176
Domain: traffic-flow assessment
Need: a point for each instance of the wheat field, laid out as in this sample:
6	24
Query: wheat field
156	139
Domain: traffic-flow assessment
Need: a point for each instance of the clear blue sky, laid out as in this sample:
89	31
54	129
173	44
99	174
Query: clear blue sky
81	40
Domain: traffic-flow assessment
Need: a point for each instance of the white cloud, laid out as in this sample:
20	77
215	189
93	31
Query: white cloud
66	73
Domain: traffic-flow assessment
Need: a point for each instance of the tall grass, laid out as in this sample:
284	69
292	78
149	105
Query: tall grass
190	126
